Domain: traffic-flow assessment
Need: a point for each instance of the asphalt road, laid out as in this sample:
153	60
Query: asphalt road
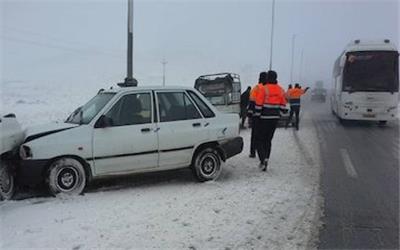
359	182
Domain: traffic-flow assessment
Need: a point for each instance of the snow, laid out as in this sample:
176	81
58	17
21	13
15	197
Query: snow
245	208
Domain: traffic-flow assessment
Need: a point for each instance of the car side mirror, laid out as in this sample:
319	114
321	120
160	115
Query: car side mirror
103	122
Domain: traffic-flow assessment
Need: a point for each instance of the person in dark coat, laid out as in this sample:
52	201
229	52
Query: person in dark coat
244	102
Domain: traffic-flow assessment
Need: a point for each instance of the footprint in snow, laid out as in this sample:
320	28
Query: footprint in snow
217	211
77	247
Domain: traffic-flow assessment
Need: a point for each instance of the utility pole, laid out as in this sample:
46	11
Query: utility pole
291	65
272	34
130	81
163	62
301	66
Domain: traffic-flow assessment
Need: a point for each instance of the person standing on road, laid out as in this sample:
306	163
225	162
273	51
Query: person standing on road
244	102
294	96
287	92
270	102
252	116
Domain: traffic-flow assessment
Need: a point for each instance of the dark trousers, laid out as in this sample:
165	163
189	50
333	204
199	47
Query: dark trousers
243	114
253	135
265	130
296	111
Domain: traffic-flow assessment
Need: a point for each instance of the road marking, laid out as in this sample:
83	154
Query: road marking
396	144
351	171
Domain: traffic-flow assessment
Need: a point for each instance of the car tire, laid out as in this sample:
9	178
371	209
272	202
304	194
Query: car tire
7	181
66	177
207	164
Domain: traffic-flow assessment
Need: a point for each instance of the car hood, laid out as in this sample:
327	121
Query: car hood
35	132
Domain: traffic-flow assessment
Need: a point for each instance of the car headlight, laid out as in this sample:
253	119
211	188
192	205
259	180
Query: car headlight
25	152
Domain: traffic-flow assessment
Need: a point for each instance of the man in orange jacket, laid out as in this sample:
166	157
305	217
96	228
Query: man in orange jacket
270	102
294	96
251	112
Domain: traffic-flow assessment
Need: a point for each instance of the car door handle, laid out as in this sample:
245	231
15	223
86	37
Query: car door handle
197	124
145	130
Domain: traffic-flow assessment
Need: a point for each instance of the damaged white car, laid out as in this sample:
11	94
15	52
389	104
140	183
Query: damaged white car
130	130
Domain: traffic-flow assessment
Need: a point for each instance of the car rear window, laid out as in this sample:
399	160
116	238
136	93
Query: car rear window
205	110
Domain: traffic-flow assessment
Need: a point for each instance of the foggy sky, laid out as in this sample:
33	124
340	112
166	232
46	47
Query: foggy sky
84	42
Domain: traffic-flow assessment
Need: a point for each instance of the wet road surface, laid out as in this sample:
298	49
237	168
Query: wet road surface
359	182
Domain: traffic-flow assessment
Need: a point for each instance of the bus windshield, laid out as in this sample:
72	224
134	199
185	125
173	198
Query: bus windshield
218	90
371	71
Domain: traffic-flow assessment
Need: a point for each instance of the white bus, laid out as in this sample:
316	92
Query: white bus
366	82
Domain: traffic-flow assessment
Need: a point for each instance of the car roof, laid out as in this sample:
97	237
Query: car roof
117	89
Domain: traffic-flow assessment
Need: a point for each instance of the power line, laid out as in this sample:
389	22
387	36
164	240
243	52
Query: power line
57	40
57	46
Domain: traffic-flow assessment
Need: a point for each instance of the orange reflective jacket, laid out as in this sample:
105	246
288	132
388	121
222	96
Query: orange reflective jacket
252	98
270	100
294	96
295	93
252	93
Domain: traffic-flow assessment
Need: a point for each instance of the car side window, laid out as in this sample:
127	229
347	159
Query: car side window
132	109
205	110
176	106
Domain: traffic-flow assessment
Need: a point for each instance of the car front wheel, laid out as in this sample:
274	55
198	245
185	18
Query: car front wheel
7	182
207	164
66	176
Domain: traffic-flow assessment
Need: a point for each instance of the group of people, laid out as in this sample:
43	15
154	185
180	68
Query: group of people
263	105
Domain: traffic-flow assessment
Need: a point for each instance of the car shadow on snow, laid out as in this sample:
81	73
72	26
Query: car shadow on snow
179	176
170	177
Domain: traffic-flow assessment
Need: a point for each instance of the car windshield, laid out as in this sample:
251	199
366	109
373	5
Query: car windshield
371	71
84	114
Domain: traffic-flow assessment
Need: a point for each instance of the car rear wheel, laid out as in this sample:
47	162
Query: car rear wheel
207	164
7	181
66	177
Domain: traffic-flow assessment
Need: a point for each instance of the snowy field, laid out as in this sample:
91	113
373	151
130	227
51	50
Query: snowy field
244	209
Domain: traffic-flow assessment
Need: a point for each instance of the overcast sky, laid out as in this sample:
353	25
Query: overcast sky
84	42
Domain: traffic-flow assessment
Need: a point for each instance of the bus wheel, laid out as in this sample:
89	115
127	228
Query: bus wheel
382	123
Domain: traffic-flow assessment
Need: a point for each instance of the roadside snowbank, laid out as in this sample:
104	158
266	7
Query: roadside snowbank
245	208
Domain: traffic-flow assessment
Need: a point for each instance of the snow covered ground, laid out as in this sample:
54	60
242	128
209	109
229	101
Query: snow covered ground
244	209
